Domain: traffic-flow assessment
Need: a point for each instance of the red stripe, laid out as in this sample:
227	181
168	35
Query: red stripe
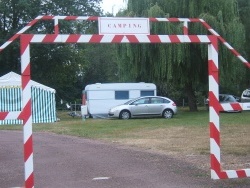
214	102
29	183
236	106
96	39
153	20
223	175
214	133
194	38
14	37
221	39
3	115
241	173
73	38
194	19
117	38
185	30
247	65
214	42
215	165
25	41
56	29
47	17
235	52
26	112
174	39
49	38
71	18
132	38
206	25
213	70
173	19
32	22
93	18
26	77
28	148
154	38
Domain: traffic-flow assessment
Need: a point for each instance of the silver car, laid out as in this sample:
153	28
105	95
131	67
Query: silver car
149	106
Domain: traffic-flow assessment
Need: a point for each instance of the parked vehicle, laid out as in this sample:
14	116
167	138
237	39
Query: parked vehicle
99	98
148	106
245	96
226	98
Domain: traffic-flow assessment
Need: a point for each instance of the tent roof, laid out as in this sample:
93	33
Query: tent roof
14	79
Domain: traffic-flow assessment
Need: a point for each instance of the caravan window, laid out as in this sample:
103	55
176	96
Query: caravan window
121	95
147	93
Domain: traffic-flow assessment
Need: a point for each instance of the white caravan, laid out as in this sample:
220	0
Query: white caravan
98	98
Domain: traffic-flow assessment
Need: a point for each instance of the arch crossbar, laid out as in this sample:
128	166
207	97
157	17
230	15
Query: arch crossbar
185	22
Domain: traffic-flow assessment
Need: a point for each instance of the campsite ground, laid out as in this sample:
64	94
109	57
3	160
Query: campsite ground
69	161
185	137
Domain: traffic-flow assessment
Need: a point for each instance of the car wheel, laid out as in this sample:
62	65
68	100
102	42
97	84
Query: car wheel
125	114
168	113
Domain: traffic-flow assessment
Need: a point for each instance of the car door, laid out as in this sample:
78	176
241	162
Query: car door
139	107
156	106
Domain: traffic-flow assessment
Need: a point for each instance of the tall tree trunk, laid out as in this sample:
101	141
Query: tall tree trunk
191	97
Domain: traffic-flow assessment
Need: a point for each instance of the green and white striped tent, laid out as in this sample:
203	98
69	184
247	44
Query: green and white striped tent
43	99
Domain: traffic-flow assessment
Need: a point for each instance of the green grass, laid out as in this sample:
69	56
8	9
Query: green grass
112	128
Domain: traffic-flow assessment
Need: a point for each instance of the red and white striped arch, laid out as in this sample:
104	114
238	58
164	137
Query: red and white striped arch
211	40
215	106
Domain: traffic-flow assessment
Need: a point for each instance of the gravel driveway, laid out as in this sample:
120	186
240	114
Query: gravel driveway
66	161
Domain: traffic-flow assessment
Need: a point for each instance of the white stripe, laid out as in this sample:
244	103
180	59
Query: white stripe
231	174
84	38
215	149
25	58
213	86
5	44
228	45
101	178
214	175
162	19
242	59
107	38
125	40
214	118
247	171
38	38
13	115
29	167
214	32
143	38
203	38
27	130
26	96
184	38
164	38
23	30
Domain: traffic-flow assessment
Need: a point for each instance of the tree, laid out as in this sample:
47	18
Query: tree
58	66
183	65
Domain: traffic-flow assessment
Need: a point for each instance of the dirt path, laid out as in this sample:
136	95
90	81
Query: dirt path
65	161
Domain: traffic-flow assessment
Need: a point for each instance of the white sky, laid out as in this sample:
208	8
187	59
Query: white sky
112	6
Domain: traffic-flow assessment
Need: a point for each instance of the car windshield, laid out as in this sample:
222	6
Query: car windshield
128	102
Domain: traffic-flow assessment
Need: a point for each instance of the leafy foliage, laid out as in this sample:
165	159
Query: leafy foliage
185	65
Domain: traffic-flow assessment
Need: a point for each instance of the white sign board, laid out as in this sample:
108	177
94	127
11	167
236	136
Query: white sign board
123	26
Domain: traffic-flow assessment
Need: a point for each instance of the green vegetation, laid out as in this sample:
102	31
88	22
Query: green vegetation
115	128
